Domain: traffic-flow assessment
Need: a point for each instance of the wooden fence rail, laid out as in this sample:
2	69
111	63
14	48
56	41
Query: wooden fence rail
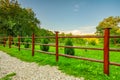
105	49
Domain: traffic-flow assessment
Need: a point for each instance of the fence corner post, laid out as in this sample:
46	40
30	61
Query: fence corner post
56	39
33	45
18	42
106	50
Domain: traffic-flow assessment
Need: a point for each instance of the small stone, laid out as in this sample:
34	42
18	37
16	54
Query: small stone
30	71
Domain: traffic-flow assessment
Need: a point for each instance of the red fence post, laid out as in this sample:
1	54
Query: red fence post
33	46
56	37
106	50
19	43
9	41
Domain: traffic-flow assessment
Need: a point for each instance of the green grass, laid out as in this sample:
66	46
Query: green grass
79	68
8	76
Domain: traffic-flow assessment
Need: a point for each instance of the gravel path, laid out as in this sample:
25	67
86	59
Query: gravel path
30	71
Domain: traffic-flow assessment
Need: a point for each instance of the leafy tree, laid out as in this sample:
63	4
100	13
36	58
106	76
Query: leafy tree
15	20
110	22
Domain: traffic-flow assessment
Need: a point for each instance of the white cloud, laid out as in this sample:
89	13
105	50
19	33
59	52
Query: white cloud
74	32
88	29
82	30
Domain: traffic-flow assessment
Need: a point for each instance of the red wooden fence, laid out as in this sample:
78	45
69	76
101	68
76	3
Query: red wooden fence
106	48
106	51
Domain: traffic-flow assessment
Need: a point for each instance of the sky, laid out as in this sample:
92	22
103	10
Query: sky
75	16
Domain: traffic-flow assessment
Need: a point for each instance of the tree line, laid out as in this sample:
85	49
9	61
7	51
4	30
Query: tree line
15	20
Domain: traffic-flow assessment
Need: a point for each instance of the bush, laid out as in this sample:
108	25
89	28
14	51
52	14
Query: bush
27	41
69	51
92	41
44	47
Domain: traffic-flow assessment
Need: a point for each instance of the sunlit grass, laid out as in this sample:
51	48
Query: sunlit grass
88	70
8	76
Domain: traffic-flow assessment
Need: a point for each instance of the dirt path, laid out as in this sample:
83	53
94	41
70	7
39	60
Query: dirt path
30	71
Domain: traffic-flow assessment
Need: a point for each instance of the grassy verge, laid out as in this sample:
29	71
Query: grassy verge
8	76
78	68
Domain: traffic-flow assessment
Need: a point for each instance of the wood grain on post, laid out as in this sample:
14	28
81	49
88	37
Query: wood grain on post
106	50
33	45
56	37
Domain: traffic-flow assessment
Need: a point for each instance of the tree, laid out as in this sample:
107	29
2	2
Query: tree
16	20
110	22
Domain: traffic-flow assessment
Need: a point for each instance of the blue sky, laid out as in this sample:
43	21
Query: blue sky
76	16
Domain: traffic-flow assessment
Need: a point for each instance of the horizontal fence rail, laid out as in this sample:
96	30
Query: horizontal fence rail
77	47
35	41
114	36
80	36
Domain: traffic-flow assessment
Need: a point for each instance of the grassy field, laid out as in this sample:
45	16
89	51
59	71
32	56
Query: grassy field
79	68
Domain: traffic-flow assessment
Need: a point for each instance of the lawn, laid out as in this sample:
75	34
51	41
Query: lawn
79	68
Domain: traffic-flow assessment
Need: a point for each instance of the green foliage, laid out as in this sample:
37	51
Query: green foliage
1	40
45	32
44	47
115	41
79	41
69	51
61	40
110	22
93	43
7	42
15	41
8	76
15	20
27	43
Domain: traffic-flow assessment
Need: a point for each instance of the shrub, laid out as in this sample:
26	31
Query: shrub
92	41
44	47
69	51
27	41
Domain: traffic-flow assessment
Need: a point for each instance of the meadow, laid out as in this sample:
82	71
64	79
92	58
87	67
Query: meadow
79	68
